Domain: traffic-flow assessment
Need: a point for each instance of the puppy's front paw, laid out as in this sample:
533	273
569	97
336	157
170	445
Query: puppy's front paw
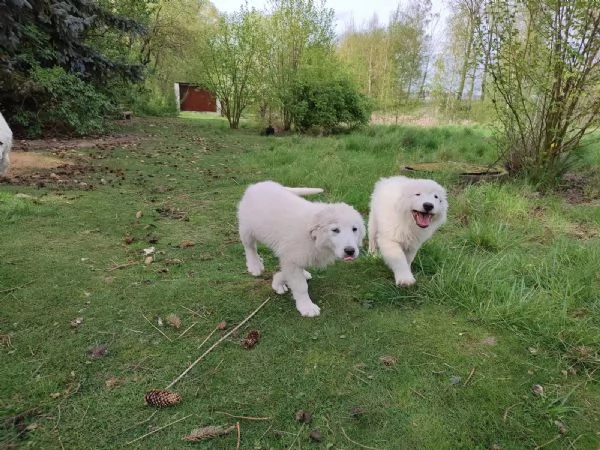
307	275
405	280
255	268
309	309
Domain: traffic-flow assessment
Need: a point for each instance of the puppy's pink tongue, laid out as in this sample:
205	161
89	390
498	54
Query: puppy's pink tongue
423	219
348	258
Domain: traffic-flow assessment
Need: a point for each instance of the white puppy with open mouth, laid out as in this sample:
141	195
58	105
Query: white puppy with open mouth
404	213
300	233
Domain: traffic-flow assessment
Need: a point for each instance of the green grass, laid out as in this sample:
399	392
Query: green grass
506	298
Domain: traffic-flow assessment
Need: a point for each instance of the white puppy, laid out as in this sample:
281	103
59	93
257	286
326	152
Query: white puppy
300	233
404	213
6	139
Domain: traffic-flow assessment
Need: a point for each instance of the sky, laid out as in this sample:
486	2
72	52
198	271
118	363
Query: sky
345	10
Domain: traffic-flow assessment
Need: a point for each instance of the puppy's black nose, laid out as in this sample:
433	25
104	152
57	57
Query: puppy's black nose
427	206
349	251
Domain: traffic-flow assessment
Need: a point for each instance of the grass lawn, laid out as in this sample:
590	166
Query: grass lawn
496	346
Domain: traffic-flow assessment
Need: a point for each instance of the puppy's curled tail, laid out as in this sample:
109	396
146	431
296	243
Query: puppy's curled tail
304	191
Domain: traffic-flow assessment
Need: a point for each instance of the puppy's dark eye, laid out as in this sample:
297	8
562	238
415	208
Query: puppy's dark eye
354	229
336	230
417	194
436	196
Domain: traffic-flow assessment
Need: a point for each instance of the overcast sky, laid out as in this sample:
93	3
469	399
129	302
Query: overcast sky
345	10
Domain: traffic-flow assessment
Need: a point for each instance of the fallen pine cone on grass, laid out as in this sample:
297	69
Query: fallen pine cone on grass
161	398
251	339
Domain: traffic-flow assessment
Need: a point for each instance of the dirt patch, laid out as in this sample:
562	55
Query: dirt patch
23	161
61	163
56	145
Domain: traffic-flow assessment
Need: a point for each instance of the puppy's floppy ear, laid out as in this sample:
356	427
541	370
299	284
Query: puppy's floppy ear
318	227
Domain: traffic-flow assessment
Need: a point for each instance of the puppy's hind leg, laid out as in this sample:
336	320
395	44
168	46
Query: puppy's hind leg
254	262
295	279
396	259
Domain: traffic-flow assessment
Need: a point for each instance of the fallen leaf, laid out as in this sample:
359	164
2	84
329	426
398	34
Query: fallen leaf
222	325
139	214
316	435
55	394
174	321
208	432
537	389
388	360
76	322
112	382
303	416
148	260
97	352
149	251
186	244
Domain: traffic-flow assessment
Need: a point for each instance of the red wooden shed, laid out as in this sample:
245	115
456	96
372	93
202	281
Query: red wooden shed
195	98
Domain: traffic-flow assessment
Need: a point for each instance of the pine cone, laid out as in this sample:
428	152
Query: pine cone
251	339
161	398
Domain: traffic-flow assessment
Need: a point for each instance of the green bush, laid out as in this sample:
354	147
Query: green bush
60	102
327	103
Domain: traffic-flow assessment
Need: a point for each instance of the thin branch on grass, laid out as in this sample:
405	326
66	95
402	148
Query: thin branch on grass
297	434
504	417
58	419
158	429
469	377
195	313
120	266
572	444
418	393
208	337
225	336
243	417
187	329
239	436
556	438
16	288
140	423
156	328
356	443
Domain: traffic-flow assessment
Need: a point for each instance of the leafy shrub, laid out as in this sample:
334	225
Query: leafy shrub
60	102
327	103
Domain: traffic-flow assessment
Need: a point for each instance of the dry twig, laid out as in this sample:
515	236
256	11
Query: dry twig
239	436
469	377
6	291
356	443
187	329
158	429
156	328
120	266
225	336
243	417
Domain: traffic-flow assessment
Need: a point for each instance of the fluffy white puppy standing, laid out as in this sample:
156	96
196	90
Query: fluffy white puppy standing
6	139
404	213
299	232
